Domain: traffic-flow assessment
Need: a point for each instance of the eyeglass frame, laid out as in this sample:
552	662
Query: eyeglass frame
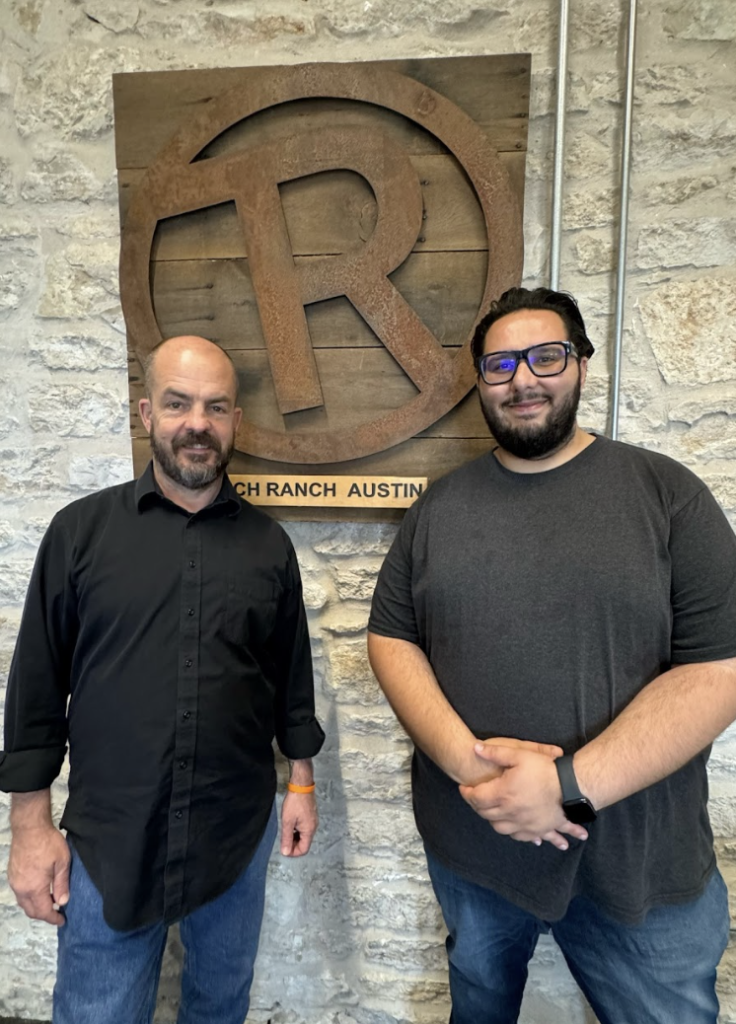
522	354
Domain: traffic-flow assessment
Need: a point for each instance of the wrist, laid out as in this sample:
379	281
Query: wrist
301	773
31	812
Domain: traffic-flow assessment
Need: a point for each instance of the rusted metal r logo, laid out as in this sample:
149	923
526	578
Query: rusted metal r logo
175	185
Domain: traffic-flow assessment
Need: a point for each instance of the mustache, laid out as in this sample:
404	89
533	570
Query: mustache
196	437
529	396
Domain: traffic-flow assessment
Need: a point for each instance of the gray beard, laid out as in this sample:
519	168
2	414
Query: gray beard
535	441
195	476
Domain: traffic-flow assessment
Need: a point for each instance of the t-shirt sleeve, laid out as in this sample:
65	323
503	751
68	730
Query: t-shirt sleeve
703	554
392	611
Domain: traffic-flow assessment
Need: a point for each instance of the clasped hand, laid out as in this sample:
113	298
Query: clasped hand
522	798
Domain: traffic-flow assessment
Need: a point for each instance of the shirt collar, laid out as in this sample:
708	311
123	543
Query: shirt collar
148	492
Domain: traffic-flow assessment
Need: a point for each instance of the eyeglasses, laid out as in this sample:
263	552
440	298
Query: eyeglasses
545	360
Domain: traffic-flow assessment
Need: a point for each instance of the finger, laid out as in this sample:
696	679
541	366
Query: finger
39	907
504	757
557	840
481	799
576	831
550	750
60	885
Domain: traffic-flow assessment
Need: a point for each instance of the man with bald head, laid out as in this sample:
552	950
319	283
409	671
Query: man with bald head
164	638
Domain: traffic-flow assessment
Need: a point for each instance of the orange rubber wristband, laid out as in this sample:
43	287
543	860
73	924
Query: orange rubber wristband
293	788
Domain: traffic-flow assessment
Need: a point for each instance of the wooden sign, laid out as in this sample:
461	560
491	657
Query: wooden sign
330	491
339	229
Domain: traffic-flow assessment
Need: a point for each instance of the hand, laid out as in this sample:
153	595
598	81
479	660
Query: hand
38	872
524	802
485	770
299	820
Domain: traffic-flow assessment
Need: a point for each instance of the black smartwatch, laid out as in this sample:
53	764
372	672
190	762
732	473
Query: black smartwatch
578	809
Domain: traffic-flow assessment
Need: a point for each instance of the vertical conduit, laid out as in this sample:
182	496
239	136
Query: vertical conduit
623	219
554	255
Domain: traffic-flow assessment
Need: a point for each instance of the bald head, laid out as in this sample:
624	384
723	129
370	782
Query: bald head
191	356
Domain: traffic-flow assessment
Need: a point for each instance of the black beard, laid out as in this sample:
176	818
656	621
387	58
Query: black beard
195	476
535	441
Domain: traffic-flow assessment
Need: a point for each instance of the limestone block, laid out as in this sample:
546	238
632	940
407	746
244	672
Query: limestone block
394	906
689	325
678	84
112	15
81	281
677	190
70	91
345	620
707	242
36	468
59	177
8	534
413	954
316	595
72	410
18	235
700	19
96	222
357	581
79	350
595	209
17	278
595	89
588	155
230	25
379	721
683	142
349	675
8	189
354	539
712	437
93	472
594	253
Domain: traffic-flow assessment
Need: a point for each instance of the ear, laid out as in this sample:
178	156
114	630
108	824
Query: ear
144	408
583	370
237	417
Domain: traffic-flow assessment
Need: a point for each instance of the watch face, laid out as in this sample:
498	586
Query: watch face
579	812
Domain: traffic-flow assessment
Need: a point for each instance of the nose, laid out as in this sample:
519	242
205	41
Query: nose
524	376
197	418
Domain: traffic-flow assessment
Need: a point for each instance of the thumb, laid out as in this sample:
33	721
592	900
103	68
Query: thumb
503	757
60	885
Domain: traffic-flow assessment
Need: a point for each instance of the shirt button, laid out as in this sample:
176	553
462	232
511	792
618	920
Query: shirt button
186	715
188	663
182	764
178	814
190	611
192	565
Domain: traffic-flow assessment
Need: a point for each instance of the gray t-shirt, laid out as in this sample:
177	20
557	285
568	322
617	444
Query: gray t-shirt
545	602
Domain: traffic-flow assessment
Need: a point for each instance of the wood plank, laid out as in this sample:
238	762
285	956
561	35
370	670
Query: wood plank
493	91
334	212
430	457
358	387
215	299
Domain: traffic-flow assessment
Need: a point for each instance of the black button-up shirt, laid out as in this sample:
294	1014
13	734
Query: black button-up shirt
180	643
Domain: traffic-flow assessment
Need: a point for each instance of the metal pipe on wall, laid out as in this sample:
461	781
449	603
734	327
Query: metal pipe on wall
623	219
554	254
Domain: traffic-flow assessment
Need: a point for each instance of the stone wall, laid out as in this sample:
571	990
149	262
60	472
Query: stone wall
352	933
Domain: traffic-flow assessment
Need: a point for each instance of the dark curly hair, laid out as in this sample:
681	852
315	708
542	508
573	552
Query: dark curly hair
517	299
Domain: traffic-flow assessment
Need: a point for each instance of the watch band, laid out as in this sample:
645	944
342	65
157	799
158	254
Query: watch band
568	782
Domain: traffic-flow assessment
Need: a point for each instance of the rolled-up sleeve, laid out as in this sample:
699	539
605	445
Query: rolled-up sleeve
298	733
38	684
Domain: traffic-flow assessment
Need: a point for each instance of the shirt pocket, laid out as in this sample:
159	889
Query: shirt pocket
251	610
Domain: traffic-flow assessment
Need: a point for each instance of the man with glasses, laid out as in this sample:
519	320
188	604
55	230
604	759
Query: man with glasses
555	627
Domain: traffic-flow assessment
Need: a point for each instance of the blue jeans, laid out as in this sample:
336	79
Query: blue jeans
111	977
658	972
